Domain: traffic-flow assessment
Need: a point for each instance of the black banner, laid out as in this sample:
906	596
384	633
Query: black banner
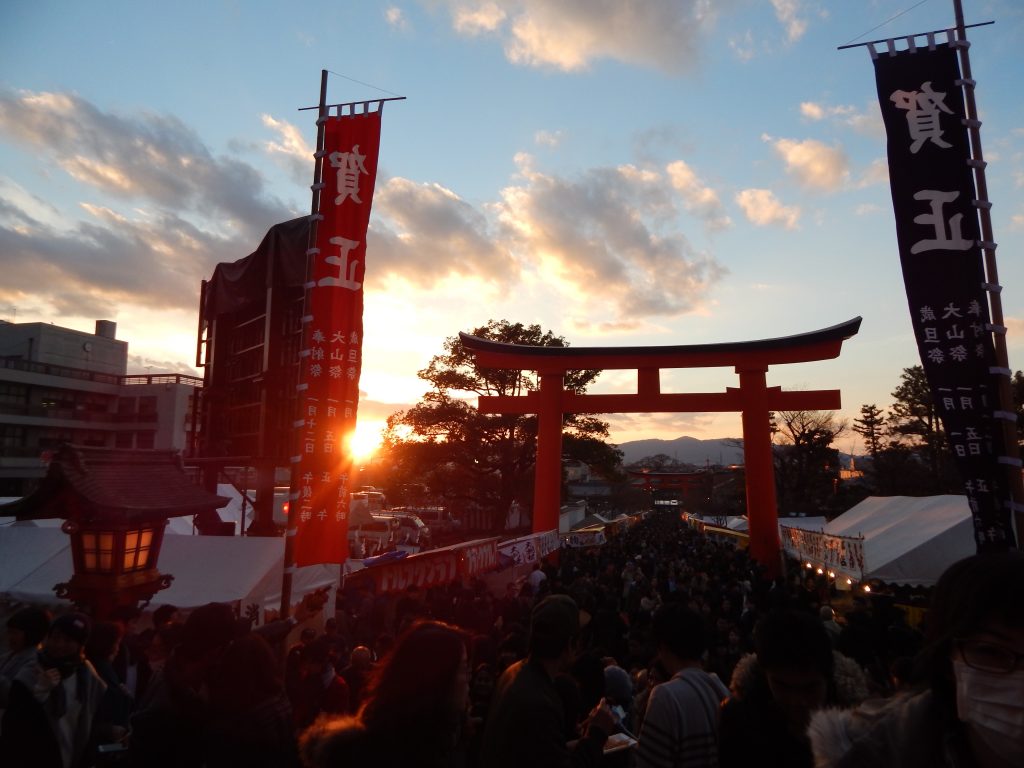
937	230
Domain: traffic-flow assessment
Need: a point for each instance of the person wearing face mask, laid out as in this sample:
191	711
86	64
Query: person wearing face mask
967	708
53	702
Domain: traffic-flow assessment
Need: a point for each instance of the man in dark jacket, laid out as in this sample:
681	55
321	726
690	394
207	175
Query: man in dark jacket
526	723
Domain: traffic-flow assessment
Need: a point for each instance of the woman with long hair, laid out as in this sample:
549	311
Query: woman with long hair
413	711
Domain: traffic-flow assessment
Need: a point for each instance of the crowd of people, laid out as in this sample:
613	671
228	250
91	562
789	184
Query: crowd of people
659	648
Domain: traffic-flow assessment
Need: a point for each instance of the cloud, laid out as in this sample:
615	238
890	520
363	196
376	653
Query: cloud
477	18
866	209
570	35
867	122
150	157
600	234
395	18
743	46
876	173
814	164
788	13
548	138
290	147
697	198
108	259
423	233
762	208
84	261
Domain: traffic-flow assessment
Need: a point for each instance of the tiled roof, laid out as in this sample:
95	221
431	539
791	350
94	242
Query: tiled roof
132	483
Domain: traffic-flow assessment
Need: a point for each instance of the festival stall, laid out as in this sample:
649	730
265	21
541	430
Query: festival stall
396	572
242	570
892	539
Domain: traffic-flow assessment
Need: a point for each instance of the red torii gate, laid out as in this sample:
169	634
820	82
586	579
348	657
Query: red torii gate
753	399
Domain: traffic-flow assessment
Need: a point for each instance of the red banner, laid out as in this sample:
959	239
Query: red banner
332	340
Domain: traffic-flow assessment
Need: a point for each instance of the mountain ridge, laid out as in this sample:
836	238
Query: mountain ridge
686	450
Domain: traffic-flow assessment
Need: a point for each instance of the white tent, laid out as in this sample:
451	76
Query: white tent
205	569
898	539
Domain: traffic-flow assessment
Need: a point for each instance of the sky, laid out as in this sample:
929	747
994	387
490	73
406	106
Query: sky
621	173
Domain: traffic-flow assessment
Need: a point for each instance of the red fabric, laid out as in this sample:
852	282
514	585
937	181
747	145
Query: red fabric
332	340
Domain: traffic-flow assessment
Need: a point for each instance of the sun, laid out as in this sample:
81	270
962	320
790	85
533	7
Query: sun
365	441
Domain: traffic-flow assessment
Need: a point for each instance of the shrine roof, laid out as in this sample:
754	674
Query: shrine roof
801	347
123	483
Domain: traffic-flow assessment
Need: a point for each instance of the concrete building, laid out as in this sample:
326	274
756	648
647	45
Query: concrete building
58	385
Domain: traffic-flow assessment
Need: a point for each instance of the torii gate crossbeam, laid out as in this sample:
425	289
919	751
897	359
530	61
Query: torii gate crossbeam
753	399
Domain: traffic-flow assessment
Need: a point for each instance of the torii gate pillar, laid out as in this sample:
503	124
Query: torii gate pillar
753	399
759	468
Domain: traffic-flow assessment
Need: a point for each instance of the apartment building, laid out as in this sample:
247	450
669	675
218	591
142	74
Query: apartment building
59	385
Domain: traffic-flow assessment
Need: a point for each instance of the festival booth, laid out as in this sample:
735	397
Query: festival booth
397	571
242	570
902	540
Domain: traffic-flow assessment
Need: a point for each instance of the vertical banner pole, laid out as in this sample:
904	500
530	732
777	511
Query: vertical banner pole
1015	483
289	538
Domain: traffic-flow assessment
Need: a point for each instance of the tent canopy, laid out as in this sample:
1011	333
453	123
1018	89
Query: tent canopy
206	569
906	539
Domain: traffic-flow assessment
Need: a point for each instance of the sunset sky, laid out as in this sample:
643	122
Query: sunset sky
661	172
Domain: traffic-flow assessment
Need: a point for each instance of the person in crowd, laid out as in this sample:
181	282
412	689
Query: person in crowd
250	717
293	662
164	615
161	645
112	718
793	673
356	672
171	724
26	629
49	721
618	692
527	721
335	642
828	620
320	689
681	722
967	707
414	710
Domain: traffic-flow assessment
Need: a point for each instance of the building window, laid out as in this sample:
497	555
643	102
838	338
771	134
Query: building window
123	439
144	439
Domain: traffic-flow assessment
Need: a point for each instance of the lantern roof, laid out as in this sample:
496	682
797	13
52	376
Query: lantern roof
88	483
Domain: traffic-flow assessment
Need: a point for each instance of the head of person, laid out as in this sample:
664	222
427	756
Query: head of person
680	633
248	675
206	634
316	657
974	652
424	679
27	627
104	641
554	630
361	657
618	687
825	613
67	637
165	614
795	654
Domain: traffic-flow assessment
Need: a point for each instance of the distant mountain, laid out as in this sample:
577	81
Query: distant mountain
687	450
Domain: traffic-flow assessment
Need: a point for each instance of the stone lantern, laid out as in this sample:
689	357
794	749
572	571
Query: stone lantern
115	505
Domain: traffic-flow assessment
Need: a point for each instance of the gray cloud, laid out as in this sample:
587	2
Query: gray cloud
149	157
602	233
424	232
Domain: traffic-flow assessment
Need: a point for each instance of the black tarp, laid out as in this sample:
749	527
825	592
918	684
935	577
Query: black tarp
280	260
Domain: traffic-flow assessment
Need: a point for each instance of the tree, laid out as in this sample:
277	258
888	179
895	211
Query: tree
871	426
806	465
470	458
914	425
